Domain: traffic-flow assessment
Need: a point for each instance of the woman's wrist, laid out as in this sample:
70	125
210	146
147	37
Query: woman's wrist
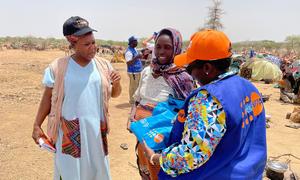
154	159
116	84
131	119
36	125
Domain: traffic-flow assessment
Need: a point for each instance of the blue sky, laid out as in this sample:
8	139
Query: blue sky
119	19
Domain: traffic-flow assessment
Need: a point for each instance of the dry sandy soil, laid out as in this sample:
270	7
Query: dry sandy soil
20	92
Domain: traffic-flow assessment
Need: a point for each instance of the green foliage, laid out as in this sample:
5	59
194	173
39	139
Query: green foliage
111	43
48	43
256	45
30	42
293	38
293	41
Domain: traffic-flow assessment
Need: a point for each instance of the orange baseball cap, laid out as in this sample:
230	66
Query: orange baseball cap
205	45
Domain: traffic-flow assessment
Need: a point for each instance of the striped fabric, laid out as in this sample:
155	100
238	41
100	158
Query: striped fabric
71	137
142	111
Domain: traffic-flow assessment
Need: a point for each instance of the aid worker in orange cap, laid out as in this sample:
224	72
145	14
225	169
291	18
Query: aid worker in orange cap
220	131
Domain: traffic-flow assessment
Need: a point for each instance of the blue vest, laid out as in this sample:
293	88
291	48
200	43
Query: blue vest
252	53
137	66
241	154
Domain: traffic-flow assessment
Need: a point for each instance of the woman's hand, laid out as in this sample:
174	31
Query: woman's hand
37	133
115	77
130	119
128	125
149	153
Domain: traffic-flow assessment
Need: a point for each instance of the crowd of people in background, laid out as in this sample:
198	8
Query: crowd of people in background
288	63
287	56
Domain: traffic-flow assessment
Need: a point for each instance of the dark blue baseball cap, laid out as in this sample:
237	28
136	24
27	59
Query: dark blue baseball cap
131	39
76	26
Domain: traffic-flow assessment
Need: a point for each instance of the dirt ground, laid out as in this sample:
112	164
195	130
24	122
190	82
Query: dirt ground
20	91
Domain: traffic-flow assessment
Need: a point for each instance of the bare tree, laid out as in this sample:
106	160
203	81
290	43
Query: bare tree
214	16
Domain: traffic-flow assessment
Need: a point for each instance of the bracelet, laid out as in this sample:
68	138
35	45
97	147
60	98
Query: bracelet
151	158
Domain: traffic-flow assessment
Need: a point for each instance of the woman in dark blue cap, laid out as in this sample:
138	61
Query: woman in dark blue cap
75	99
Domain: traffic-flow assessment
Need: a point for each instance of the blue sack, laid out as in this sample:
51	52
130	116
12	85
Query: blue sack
141	127
158	138
172	105
155	130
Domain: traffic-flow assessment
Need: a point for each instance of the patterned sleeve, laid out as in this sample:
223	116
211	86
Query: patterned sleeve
203	129
48	79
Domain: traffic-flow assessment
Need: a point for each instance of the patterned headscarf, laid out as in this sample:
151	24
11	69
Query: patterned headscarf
180	81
